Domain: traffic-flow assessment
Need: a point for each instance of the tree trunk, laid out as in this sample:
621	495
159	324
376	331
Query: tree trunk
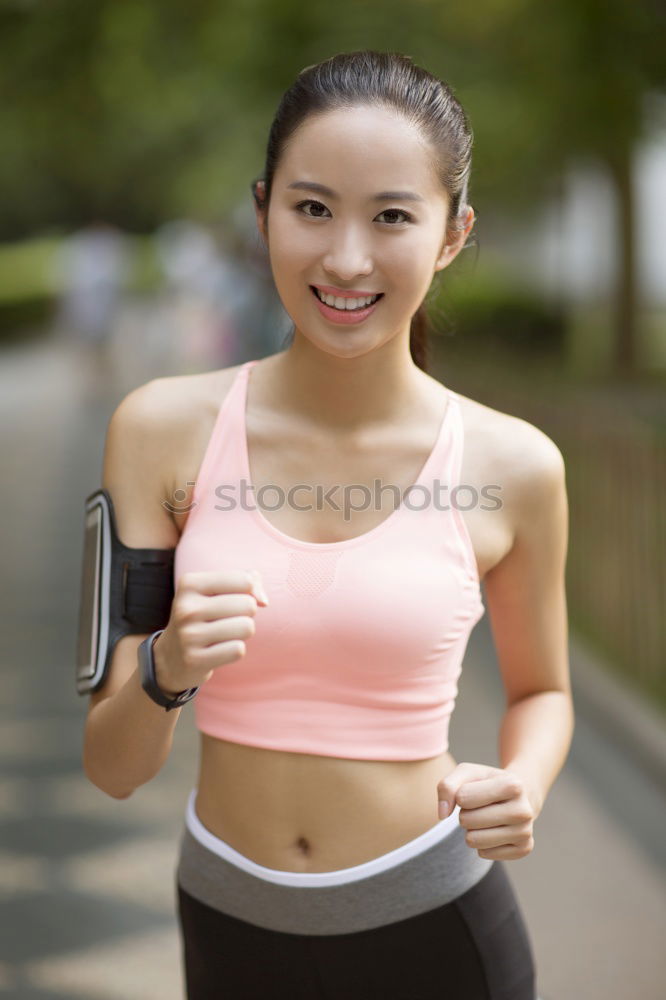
619	162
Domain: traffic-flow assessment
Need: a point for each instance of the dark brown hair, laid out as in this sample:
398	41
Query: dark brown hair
383	79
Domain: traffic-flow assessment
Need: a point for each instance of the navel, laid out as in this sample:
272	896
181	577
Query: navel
303	845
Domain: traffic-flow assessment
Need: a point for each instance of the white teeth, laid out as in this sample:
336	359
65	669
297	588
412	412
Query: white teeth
345	304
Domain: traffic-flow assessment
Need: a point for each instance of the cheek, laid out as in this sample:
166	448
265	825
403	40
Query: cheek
419	269
406	259
292	250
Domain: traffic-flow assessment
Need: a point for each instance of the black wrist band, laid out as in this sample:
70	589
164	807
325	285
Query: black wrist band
149	681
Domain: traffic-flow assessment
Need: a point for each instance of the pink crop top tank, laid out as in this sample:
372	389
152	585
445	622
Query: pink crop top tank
359	652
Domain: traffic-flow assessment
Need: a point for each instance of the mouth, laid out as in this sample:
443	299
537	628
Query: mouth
346	305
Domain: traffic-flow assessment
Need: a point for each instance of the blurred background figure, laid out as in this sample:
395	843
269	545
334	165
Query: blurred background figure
259	316
92	267
192	270
220	299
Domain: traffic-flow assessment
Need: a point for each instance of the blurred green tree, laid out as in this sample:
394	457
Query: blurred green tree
138	111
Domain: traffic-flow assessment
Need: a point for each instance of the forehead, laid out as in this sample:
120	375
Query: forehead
373	145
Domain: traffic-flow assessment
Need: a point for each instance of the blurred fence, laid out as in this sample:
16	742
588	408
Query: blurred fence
616	572
613	442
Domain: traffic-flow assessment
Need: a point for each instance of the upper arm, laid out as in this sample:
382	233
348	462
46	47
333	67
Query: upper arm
137	468
525	591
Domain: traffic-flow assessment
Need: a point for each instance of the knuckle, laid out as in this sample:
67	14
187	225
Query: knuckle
194	658
188	582
189	632
184	610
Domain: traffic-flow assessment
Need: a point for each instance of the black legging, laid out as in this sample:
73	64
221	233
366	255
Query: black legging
475	947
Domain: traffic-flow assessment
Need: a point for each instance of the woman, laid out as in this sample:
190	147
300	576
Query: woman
314	860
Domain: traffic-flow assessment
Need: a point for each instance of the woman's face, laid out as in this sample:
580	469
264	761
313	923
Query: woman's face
347	237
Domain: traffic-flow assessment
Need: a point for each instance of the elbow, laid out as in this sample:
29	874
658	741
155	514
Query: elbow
125	795
111	792
102	785
120	795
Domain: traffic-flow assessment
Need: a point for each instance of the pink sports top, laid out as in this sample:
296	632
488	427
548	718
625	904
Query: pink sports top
359	652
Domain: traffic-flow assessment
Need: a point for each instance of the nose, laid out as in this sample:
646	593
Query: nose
347	256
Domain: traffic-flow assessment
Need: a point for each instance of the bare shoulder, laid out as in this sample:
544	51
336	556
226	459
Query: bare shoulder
171	399
510	437
171	407
174	417
511	452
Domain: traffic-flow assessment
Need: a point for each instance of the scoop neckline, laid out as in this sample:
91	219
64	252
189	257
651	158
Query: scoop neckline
344	543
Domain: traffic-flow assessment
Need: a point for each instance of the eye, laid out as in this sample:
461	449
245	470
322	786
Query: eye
310	202
387	211
397	211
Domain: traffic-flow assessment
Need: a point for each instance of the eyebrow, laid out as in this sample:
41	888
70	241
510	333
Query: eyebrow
382	196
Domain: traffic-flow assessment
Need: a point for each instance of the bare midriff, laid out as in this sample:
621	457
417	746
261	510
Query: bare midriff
306	813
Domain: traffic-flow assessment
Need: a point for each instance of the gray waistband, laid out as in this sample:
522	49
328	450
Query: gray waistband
437	875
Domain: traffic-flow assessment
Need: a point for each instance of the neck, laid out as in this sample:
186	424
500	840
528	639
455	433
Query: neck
346	394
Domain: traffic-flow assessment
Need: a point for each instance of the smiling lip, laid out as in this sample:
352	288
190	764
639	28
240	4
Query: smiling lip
339	293
345	317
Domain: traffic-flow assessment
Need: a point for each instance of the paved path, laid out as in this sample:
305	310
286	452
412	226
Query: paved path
87	903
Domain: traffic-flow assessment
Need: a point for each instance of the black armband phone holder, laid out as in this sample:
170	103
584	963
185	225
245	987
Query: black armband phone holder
124	591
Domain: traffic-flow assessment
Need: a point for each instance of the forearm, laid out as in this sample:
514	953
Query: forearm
127	739
534	741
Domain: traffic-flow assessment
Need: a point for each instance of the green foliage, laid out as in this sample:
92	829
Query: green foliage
143	111
25	320
487	309
27	269
146	276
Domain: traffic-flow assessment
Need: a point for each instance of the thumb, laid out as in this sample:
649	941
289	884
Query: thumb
446	802
447	790
258	588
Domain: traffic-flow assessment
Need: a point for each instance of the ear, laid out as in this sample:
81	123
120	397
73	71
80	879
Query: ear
451	250
259	195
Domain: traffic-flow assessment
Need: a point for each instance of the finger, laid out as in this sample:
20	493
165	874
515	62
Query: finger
498	836
226	630
512	813
213	582
485	817
222	653
466	772
486	791
231	605
507	852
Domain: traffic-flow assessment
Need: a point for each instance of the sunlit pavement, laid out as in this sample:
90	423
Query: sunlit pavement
87	890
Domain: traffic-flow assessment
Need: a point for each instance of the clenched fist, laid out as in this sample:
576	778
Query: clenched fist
212	614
